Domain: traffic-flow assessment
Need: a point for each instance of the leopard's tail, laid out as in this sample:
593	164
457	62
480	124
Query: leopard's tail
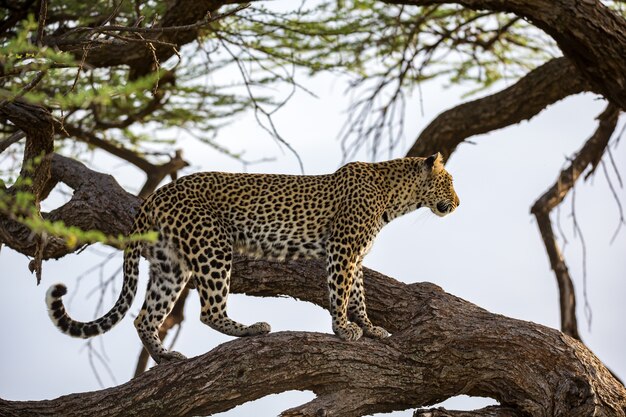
69	326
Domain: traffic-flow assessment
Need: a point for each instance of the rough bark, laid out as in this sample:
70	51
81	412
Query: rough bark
494	411
441	346
545	85
590	34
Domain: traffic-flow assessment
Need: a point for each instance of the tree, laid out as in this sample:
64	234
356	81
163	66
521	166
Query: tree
107	77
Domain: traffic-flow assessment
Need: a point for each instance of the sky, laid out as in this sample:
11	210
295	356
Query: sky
488	252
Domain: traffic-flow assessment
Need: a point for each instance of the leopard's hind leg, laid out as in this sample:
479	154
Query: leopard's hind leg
211	266
167	280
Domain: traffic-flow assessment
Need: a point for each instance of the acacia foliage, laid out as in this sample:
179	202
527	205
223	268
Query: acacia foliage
229	65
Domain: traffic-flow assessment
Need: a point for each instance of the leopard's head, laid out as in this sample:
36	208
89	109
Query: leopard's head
440	195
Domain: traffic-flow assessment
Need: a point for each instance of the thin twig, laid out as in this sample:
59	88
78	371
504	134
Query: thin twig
622	221
157	30
273	132
91	353
32	84
80	68
578	232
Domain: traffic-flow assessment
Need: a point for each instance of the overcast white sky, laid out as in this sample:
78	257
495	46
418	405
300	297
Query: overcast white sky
488	252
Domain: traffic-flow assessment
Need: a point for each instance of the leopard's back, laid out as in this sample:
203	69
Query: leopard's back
266	215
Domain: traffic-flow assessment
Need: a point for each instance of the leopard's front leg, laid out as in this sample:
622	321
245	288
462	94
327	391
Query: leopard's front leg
341	266
357	311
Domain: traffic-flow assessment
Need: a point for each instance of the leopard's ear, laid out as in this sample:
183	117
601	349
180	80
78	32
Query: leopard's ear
434	163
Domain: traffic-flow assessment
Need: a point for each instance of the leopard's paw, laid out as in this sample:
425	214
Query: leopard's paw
171	356
257	329
350	332
375	332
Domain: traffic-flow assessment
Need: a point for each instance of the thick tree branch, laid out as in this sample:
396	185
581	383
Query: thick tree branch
588	156
98	203
541	87
441	346
590	34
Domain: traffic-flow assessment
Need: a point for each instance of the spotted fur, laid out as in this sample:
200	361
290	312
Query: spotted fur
202	218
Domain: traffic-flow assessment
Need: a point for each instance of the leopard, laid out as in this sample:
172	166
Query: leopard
203	219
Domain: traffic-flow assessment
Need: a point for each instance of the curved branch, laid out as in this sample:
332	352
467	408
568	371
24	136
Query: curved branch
547	84
98	202
590	34
110	147
441	346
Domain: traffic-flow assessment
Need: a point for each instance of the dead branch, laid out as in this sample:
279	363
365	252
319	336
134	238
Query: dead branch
545	85
157	173
441	346
588	156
